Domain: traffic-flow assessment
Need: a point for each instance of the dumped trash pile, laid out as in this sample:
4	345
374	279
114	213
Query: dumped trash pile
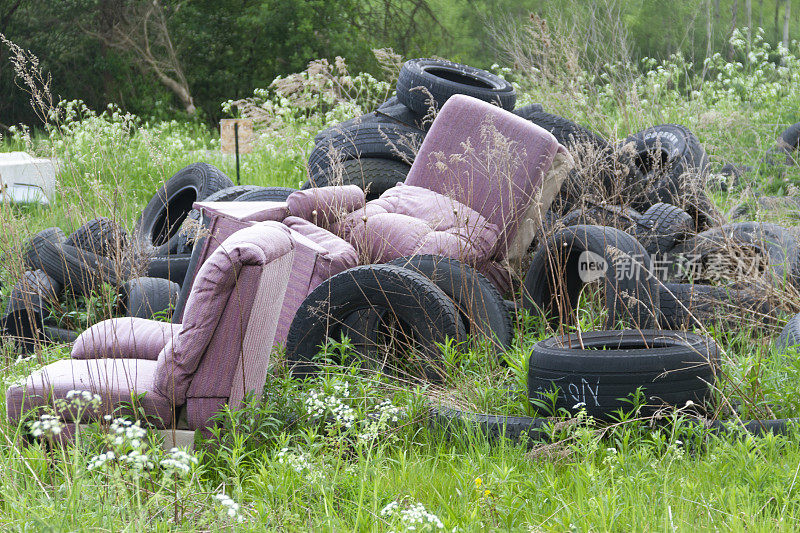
440	217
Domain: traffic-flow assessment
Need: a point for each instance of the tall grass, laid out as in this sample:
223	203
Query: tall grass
291	464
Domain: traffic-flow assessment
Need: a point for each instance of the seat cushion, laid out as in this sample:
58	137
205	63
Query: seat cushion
409	220
127	337
117	381
486	158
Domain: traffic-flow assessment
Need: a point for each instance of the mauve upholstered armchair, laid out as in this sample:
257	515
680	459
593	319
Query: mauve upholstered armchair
477	191
180	375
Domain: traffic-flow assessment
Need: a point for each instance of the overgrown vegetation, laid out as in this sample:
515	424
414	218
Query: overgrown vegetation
351	450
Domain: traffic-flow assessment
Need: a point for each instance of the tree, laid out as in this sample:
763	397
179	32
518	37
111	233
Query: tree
142	31
786	14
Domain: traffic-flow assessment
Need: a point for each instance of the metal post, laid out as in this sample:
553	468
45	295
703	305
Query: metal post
236	144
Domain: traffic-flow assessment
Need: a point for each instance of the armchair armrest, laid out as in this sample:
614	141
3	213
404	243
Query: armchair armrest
129	338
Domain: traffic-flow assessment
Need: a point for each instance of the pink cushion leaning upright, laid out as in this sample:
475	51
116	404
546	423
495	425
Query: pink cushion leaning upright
487	158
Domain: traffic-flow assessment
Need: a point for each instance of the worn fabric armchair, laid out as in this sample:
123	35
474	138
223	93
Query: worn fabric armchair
180	375
476	192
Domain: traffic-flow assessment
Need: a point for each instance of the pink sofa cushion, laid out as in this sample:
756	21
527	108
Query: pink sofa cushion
128	337
409	220
207	317
115	380
324	206
487	158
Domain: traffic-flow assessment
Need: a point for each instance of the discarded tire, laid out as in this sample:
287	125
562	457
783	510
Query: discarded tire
364	141
375	176
686	305
391	111
160	221
661	227
567	132
101	236
784	150
27	307
31	254
394	110
238	193
577	255
266	194
600	171
145	297
513	428
422	80
477	301
426	317
599	370
675	166
790	335
528	110
622	218
172	267
745	250
79	270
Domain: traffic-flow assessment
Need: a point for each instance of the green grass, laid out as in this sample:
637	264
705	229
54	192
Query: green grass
638	476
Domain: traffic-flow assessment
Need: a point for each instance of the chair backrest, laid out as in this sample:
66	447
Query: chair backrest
487	158
228	328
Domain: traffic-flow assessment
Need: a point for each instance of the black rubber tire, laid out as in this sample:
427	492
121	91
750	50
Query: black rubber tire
143	297
395	111
673	367
159	224
622	218
668	155
31	253
228	194
661	227
567	132
331	131
783	152
671	148
172	267
554	275
60	335
790	334
519	428
375	176
493	427
414	300
27	307
81	271
389	112
266	194
512	310
729	177
709	304
373	140
101	236
527	111
237	193
774	242
600	171
478	302
35	290
442	79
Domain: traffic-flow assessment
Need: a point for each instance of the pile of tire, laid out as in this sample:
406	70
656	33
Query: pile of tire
421	300
375	151
144	269
677	277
